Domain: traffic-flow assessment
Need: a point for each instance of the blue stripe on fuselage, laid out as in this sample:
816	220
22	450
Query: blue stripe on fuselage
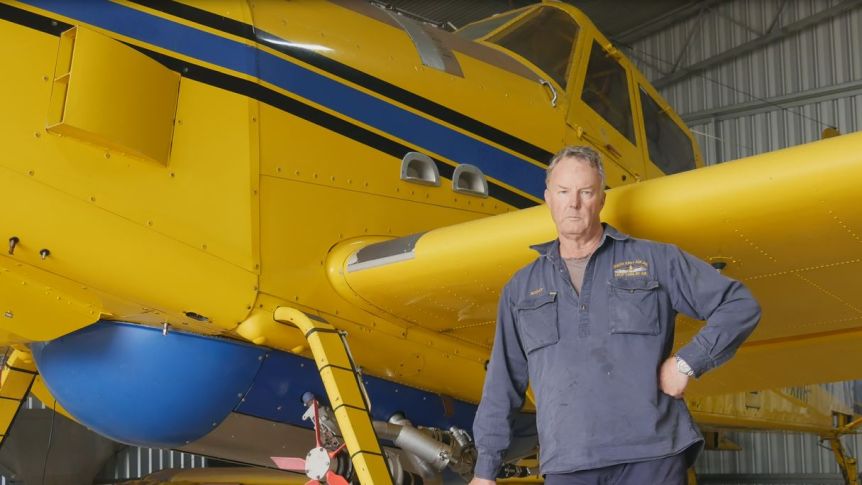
308	84
156	31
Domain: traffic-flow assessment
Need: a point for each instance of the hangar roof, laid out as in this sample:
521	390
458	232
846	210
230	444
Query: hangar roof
623	21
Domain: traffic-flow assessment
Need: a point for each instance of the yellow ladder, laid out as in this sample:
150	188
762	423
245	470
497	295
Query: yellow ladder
341	381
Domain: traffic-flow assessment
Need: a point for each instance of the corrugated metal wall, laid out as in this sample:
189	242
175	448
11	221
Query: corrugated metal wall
780	94
792	457
134	462
799	458
130	462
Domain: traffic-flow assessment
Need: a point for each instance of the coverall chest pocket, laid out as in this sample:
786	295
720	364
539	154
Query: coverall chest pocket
634	306
537	322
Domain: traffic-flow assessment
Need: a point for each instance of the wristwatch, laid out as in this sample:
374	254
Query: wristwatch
683	366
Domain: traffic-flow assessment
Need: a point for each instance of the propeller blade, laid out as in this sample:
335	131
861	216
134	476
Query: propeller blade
333	478
317	441
289	463
337	451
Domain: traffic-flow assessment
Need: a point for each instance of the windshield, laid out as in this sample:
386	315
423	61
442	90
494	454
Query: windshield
546	38
481	28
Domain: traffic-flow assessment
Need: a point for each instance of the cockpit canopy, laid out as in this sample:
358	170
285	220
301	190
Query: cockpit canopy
544	38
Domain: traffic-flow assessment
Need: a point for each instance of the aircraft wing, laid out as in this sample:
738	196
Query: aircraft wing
788	224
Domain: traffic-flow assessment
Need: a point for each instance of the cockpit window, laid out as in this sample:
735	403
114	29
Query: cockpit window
606	92
477	30
545	38
669	147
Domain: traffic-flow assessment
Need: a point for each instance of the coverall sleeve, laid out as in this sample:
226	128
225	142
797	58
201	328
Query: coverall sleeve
505	385
731	312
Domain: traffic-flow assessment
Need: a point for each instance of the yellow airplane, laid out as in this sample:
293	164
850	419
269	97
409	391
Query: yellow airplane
253	229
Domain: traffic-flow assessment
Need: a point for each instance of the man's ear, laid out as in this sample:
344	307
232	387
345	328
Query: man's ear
548	196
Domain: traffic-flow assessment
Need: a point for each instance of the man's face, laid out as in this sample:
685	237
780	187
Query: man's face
575	196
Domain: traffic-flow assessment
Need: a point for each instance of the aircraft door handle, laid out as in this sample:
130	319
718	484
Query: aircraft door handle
606	145
553	91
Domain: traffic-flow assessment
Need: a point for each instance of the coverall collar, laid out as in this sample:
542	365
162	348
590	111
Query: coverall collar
551	249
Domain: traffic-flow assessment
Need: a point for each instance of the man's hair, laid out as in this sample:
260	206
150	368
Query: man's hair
582	153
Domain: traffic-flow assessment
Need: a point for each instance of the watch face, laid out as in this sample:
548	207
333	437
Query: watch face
683	366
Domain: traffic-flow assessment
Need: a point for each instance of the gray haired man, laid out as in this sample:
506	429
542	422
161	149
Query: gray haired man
590	325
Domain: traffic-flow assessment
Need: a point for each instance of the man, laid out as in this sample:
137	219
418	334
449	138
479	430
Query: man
590	325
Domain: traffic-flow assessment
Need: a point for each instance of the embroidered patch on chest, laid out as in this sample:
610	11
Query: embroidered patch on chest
628	269
537	292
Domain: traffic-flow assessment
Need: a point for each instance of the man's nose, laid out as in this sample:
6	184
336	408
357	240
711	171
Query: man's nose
575	201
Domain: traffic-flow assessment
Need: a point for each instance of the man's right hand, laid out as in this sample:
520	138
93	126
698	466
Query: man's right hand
482	481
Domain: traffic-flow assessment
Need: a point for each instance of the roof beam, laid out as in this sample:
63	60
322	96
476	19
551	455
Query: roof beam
661	23
757	43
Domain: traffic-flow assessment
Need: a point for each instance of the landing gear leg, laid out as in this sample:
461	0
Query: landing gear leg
846	463
341	381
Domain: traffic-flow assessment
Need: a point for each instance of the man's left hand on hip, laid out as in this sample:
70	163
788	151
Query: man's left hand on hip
671	381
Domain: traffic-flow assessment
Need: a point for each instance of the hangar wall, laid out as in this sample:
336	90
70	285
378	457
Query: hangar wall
785	457
55	447
750	77
134	462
